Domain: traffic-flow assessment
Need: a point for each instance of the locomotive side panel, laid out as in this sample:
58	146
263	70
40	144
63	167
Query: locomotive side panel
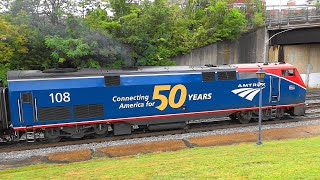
123	101
51	107
99	101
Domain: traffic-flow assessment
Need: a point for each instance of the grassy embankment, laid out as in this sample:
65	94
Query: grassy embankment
286	159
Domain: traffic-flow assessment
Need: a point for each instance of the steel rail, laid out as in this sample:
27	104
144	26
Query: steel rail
193	127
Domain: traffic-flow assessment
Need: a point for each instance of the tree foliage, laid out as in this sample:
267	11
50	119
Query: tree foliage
13	40
255	13
69	48
38	34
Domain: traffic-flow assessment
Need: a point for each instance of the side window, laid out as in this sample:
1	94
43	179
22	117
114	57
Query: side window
247	75
288	72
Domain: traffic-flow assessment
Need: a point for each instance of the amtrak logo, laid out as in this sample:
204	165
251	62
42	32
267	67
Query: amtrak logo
247	93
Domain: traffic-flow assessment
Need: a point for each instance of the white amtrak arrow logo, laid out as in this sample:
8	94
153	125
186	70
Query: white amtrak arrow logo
247	93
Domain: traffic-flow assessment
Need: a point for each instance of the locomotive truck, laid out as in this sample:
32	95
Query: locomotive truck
73	103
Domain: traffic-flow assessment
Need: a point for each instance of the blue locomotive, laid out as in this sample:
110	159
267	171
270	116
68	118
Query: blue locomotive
52	104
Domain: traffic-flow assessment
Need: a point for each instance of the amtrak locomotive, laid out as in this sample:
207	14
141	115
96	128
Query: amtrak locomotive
57	103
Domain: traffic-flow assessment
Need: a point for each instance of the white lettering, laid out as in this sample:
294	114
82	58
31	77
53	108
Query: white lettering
60	97
249	85
129	106
130	98
197	97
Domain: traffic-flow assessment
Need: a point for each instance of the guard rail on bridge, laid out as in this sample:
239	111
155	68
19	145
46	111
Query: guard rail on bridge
282	17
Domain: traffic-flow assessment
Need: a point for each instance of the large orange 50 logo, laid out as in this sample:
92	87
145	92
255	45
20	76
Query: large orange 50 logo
172	94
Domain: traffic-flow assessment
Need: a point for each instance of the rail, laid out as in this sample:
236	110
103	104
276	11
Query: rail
312	113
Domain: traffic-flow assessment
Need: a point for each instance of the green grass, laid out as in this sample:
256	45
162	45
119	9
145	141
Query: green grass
287	159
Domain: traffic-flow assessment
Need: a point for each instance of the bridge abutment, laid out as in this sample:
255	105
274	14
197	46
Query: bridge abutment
306	57
249	48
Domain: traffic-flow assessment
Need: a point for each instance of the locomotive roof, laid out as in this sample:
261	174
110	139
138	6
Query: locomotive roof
264	66
89	72
92	72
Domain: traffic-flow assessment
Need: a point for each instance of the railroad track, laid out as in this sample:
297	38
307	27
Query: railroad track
312	113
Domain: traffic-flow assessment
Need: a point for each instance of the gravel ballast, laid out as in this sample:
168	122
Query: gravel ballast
21	155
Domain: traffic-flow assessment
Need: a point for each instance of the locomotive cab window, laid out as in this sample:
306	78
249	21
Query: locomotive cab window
288	72
26	97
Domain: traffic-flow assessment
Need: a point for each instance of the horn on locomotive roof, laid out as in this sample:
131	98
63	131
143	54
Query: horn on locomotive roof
210	65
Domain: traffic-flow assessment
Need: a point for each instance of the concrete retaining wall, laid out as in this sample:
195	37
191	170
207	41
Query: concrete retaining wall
248	48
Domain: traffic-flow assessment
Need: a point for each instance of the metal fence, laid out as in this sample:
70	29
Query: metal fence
277	16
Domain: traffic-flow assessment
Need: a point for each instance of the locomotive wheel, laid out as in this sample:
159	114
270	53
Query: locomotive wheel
233	117
244	117
52	135
280	113
266	114
101	130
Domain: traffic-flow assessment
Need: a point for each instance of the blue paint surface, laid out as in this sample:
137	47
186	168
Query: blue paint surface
93	91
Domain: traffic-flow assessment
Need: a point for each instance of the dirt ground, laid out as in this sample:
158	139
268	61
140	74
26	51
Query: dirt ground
172	145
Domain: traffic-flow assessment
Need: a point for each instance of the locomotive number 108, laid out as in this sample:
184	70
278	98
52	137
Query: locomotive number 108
60	97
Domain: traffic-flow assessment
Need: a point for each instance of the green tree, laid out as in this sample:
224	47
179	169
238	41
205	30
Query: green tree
12	41
67	48
257	19
122	8
255	13
99	19
147	32
223	22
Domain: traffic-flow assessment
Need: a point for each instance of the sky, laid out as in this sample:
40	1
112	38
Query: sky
284	2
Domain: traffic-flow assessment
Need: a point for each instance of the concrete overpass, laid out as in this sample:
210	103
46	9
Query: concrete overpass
299	44
284	17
